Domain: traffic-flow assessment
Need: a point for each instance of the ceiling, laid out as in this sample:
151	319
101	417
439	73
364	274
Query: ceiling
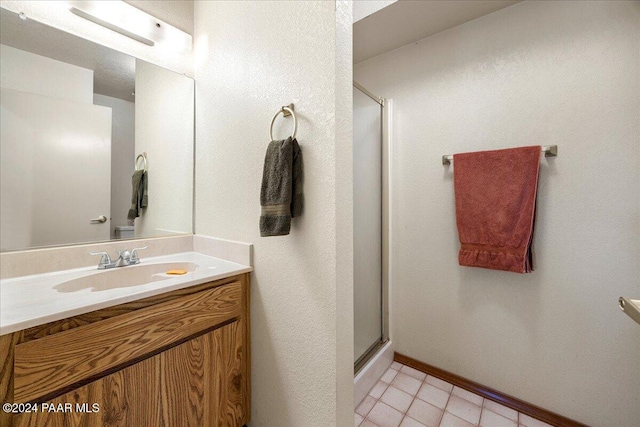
114	72
407	21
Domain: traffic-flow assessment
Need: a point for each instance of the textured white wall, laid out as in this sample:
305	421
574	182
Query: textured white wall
252	58
23	71
344	211
164	130
122	156
562	73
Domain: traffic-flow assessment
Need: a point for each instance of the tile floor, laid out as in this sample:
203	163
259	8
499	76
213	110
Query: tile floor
406	397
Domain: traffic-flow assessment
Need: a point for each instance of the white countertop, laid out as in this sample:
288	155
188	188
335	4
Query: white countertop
30	301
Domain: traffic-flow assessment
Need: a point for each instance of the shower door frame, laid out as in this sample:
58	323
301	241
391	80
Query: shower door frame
385	132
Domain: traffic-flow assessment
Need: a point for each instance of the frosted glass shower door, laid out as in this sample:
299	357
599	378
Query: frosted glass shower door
367	223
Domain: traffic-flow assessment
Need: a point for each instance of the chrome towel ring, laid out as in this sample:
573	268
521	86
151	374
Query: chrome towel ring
286	111
144	159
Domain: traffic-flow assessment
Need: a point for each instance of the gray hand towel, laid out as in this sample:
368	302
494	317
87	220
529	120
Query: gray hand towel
144	200
139	198
281	195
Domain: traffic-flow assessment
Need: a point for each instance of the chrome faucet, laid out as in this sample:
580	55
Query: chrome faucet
124	258
105	260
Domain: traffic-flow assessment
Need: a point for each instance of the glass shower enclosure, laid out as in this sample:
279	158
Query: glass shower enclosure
369	296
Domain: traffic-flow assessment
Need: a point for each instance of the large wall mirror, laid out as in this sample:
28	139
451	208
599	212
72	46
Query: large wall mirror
75	117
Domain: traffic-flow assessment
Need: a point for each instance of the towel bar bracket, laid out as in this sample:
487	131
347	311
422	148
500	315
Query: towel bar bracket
286	113
548	150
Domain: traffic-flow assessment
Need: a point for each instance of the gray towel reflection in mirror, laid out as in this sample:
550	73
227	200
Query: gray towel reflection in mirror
139	197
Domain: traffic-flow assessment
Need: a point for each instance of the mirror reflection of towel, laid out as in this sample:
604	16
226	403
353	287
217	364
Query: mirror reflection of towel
281	195
139	197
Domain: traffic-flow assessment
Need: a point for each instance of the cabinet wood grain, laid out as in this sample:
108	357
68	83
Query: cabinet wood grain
128	397
229	388
184	361
7	346
49	365
61	325
198	383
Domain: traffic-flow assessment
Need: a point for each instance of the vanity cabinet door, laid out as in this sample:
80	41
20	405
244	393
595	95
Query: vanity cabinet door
202	382
209	378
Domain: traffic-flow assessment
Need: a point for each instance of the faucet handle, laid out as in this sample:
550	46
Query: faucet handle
135	258
105	260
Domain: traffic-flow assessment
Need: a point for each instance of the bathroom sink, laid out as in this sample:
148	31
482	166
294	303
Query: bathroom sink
125	277
29	301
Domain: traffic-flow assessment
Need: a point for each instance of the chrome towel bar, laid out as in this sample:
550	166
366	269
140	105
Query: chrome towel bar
142	156
548	150
631	307
286	110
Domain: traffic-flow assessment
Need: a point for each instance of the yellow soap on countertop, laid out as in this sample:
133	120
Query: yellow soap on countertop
177	272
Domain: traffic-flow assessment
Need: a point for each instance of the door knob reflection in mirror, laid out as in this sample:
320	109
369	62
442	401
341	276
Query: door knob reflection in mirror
98	220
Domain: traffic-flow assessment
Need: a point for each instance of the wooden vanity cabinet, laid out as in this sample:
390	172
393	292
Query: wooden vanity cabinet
176	359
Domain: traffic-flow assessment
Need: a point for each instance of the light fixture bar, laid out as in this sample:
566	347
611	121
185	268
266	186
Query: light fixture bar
111	26
123	18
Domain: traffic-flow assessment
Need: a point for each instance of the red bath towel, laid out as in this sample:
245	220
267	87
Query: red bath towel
495	207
